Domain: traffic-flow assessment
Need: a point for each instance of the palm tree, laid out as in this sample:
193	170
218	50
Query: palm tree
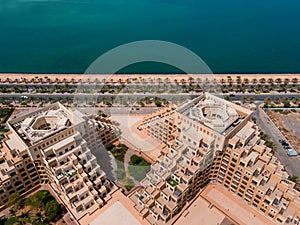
286	81
21	221
295	80
251	99
12	212
31	99
41	100
267	101
277	100
159	80
270	81
244	99
262	80
246	80
167	80
191	79
254	81
294	179
278	80
215	81
296	100
199	80
229	79
14	100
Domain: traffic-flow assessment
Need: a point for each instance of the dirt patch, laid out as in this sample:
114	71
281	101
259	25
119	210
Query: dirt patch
289	124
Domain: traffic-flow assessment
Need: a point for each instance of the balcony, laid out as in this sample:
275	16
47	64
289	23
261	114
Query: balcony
50	156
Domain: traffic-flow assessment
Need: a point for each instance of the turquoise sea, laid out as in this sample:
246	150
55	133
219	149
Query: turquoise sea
233	36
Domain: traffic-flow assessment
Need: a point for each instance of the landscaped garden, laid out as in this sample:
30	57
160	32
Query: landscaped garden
138	167
119	152
40	208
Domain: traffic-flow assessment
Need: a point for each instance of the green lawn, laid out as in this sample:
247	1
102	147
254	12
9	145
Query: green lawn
11	221
138	167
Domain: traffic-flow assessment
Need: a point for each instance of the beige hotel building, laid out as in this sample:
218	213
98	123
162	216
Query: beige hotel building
210	140
55	146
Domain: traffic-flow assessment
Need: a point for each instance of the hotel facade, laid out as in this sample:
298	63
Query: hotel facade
210	140
55	146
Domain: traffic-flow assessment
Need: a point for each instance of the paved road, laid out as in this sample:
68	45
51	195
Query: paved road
292	164
257	97
118	110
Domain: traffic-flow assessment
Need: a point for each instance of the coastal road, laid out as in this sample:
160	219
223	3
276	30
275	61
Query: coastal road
292	164
54	96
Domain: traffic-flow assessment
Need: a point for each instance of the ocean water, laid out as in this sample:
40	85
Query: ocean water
233	36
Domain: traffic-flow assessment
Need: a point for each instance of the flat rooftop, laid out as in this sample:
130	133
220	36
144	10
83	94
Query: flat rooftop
200	213
119	210
233	207
214	112
40	124
116	214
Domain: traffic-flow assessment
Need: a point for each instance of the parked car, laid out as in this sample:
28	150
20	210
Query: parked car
287	147
292	152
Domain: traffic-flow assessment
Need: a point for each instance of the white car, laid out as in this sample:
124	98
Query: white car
292	152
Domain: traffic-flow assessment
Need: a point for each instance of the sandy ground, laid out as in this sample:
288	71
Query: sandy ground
289	125
172	77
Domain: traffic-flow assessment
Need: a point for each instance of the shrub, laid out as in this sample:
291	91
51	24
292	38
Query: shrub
158	103
14	200
39	199
129	185
52	210
134	160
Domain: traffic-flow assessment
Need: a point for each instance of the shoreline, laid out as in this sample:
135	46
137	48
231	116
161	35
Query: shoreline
116	77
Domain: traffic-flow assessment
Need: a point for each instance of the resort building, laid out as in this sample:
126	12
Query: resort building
55	146
210	140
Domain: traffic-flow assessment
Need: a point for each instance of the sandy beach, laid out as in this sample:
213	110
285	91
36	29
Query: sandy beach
123	77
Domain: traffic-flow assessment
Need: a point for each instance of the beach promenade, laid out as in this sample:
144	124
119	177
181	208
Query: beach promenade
146	78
